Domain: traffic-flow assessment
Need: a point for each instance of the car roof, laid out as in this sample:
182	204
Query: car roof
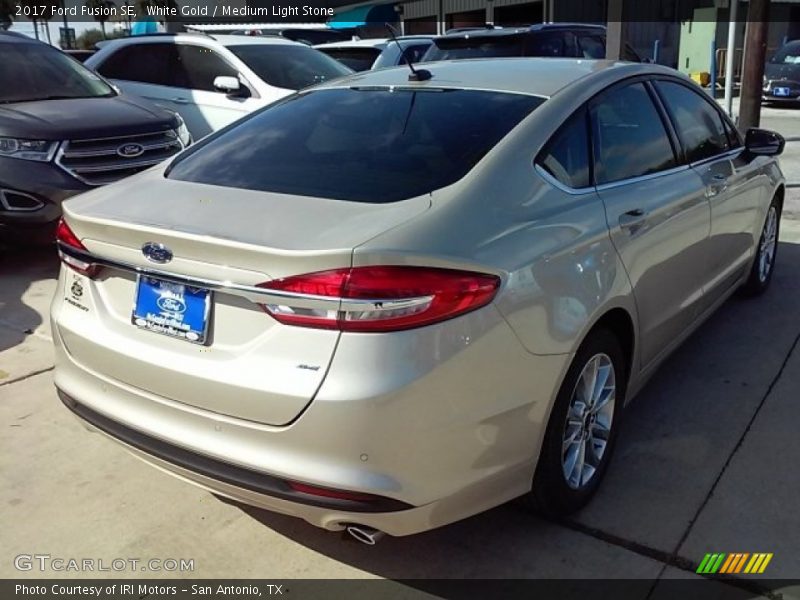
534	76
12	37
370	43
509	31
203	39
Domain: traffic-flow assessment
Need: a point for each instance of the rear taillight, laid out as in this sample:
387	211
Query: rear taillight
67	238
380	298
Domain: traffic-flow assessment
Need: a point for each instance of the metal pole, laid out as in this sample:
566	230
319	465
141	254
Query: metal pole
755	48
730	58
713	82
67	41
614	30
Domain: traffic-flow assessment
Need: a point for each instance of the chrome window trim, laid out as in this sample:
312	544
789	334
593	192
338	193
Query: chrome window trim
649	176
729	154
254	294
549	178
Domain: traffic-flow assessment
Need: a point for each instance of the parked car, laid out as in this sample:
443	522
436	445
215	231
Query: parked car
212	81
79	55
782	74
545	39
363	55
367	308
64	130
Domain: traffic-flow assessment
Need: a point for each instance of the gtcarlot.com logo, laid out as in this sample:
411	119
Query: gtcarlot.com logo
734	563
46	562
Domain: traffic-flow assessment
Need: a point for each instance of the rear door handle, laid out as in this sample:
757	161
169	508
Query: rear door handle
180	101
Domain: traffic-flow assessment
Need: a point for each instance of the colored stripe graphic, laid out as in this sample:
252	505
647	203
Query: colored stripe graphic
734	563
711	563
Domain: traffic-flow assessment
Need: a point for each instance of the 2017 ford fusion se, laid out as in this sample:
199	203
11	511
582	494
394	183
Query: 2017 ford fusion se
388	303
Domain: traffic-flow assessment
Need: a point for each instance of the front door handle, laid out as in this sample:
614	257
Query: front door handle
180	101
632	218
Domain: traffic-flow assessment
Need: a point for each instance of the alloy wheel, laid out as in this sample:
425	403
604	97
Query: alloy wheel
766	248
589	420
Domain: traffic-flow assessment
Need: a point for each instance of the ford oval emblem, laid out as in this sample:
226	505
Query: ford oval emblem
171	304
157	253
130	150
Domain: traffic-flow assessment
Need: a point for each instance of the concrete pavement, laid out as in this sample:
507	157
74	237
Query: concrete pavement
706	463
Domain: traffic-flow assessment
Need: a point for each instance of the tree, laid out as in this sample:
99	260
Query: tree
98	8
7	11
88	39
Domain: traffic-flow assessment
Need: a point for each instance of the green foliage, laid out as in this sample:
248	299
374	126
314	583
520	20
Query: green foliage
90	37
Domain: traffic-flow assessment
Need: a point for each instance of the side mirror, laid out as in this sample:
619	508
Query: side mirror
228	85
762	142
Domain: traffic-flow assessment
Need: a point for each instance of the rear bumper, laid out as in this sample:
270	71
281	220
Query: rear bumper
440	423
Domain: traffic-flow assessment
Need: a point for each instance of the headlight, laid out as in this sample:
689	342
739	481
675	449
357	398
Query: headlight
183	132
41	150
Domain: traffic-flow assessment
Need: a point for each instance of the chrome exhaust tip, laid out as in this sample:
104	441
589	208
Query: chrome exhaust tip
365	535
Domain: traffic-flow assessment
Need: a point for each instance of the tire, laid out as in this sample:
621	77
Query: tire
559	490
766	252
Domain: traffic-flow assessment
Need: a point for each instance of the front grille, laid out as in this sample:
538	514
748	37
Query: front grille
102	161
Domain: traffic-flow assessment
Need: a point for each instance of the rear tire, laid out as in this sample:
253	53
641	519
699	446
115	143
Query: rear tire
582	429
766	252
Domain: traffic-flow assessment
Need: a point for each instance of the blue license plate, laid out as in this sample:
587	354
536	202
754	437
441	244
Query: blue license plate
172	309
781	91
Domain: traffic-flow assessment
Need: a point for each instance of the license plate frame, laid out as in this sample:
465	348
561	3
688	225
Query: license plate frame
153	299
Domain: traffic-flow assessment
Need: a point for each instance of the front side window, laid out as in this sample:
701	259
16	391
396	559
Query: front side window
289	66
698	124
592	46
197	67
38	72
629	137
362	145
566	156
549	44
144	63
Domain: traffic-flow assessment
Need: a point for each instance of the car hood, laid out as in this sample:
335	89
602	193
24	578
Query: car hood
83	118
774	71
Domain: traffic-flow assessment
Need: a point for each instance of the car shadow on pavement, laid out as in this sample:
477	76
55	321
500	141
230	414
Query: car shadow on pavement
675	441
20	268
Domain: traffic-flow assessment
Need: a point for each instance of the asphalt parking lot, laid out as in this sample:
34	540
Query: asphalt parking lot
706	463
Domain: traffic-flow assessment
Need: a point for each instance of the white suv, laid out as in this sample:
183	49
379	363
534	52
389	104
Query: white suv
212	81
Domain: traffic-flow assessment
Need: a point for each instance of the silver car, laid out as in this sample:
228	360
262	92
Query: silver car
391	302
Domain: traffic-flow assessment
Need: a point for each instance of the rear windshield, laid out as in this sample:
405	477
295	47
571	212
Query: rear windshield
363	145
476	47
291	67
38	72
358	59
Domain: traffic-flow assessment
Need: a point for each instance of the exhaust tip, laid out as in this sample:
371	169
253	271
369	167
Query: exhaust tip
365	535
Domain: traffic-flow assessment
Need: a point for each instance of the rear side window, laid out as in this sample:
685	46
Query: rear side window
413	53
145	63
629	136
358	59
476	47
289	66
699	125
370	145
197	67
566	156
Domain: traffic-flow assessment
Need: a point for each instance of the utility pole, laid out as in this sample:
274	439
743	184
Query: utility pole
615	30
755	49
